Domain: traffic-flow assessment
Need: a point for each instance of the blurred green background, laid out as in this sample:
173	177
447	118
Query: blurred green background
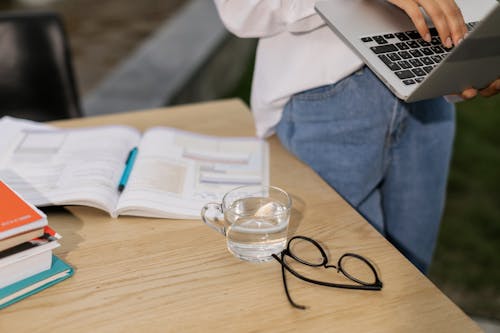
466	265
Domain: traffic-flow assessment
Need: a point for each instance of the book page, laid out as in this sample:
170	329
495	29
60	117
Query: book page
178	172
74	166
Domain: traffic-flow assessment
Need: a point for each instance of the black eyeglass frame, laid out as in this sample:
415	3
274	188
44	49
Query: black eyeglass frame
361	285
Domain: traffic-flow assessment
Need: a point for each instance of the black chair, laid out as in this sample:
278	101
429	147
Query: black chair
36	72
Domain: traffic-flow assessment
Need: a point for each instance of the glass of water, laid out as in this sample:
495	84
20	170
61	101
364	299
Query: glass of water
254	220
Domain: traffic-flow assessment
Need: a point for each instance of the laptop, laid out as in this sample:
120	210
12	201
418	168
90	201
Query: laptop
413	69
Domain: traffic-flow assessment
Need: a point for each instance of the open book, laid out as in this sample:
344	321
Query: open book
174	175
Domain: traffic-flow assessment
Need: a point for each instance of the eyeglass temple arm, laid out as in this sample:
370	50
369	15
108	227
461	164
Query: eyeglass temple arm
285	285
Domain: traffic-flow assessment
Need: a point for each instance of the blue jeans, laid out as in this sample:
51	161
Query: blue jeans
389	159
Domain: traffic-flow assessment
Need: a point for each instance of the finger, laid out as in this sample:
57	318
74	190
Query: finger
492	89
465	29
469	93
454	19
413	11
438	17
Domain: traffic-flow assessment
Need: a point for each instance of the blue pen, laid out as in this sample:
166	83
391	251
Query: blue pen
129	164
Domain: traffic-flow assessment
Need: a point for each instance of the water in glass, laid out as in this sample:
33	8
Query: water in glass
257	228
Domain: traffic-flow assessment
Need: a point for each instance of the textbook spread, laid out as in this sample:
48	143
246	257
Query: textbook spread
174	174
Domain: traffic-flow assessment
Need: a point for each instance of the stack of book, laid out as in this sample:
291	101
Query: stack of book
27	264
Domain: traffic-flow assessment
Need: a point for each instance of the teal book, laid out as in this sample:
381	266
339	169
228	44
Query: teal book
15	292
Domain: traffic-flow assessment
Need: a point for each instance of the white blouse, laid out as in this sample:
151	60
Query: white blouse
296	52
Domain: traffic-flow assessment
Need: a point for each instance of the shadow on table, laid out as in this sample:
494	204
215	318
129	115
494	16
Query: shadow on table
297	214
67	225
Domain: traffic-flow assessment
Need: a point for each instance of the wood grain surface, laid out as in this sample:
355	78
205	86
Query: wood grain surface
157	275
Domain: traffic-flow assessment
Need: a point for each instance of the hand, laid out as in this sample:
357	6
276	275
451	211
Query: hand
491	90
450	25
445	15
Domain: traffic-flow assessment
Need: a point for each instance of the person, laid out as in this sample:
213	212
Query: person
387	158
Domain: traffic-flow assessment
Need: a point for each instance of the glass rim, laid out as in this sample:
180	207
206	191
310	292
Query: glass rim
288	204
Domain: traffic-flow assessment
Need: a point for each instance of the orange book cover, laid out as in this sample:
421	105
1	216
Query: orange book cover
14	211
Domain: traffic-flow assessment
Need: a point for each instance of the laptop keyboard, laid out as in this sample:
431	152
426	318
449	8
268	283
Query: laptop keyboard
409	56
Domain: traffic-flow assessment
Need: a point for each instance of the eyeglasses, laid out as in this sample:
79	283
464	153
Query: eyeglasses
314	255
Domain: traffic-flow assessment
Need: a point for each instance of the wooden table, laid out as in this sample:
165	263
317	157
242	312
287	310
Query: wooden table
154	275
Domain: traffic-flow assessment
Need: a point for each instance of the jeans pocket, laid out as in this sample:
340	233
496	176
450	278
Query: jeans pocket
323	104
328	90
318	93
332	102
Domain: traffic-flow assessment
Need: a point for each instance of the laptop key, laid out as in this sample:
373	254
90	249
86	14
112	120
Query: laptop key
393	66
437	58
413	34
389	36
419	71
404	64
393	56
385	59
427	51
415	62
428	69
383	48
426	61
436	41
380	40
423	42
471	25
406	74
402	36
366	39
416	53
437	49
405	54
413	44
409	82
402	46
419	79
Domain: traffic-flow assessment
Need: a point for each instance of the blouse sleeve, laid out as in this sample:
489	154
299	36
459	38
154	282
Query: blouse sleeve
264	18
